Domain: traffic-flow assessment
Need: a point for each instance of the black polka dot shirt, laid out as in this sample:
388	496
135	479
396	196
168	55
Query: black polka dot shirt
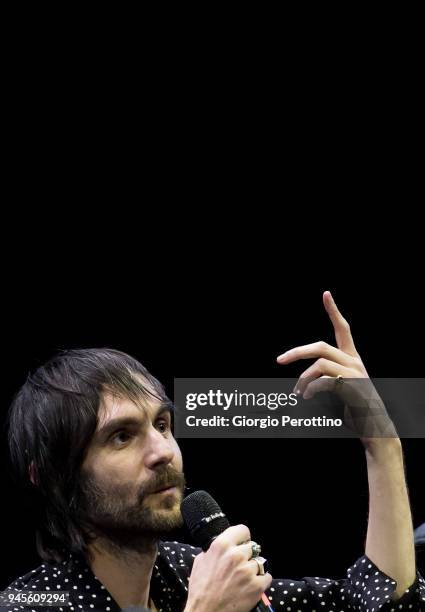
365	587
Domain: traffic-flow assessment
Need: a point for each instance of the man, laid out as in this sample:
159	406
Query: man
91	432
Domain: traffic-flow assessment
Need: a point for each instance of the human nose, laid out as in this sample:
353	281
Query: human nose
159	450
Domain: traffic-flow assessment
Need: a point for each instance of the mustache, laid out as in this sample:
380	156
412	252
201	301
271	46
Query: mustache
163	479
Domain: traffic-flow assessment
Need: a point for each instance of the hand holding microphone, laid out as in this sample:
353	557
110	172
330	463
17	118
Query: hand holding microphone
225	577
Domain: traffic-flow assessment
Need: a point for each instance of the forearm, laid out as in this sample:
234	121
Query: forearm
389	542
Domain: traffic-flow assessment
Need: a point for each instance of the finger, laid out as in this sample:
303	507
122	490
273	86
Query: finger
246	550
264	582
319	385
232	536
315	350
253	565
344	339
321	367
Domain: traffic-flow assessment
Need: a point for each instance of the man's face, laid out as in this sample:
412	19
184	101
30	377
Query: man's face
131	479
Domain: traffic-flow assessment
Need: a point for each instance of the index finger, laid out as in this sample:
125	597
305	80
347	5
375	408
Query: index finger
344	339
237	534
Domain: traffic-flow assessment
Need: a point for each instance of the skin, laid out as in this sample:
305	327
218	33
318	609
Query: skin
135	460
389	542
127	464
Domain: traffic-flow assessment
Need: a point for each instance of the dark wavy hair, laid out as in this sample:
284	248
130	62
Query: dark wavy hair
50	424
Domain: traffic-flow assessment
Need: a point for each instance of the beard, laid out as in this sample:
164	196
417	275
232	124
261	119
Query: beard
128	520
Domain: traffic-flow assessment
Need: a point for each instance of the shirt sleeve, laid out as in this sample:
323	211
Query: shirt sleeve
365	588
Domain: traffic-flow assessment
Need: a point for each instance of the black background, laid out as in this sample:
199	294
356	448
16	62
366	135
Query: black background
304	500
124	237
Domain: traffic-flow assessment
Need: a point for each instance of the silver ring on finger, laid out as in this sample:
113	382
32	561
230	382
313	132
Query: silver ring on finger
256	549
260	562
339	380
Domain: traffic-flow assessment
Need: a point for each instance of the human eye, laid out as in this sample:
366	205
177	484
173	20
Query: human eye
163	424
120	438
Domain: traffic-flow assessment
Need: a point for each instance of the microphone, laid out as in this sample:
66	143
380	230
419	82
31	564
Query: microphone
205	521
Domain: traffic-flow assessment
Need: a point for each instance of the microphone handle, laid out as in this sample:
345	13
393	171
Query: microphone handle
262	607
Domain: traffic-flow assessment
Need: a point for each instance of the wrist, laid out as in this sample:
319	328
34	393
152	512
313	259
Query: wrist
383	449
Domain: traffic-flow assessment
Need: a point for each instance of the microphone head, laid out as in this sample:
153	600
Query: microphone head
203	517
